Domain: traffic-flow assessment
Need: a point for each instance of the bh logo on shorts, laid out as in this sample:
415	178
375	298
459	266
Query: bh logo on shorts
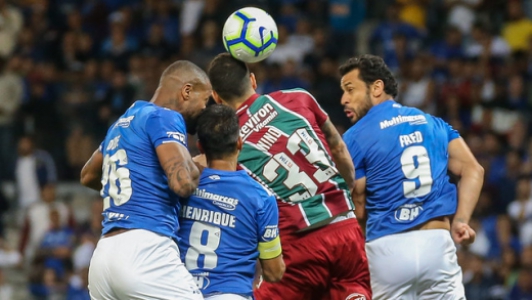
408	212
356	296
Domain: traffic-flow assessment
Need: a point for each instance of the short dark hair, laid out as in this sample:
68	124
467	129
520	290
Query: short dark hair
371	68
229	77
218	131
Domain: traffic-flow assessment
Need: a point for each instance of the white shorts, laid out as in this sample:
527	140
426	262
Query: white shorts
227	297
419	264
139	264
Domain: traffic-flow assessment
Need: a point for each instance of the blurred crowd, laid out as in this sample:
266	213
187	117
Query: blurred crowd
69	68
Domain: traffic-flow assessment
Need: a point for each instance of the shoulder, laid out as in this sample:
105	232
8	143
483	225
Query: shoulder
257	189
297	93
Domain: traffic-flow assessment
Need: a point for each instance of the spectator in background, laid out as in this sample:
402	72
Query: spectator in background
461	13
11	86
517	31
37	221
34	168
418	89
8	258
11	22
413	12
486	43
56	246
285	50
523	288
382	39
344	18
443	50
520	210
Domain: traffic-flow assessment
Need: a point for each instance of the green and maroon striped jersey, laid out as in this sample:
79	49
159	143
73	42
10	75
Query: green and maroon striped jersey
285	150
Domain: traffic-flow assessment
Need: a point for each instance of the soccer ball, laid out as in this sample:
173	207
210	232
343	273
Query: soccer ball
250	34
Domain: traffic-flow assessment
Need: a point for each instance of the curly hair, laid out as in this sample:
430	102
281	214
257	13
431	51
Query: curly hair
371	68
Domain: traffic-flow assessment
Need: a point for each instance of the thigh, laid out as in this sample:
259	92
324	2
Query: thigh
392	266
349	271
99	274
442	276
148	266
305	276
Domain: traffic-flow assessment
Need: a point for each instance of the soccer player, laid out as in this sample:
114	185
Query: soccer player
230	220
292	148
142	169
401	158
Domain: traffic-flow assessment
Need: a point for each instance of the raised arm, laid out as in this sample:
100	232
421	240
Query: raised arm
91	174
182	173
339	152
462	163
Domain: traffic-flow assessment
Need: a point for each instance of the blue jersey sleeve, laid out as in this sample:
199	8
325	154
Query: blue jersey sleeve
358	159
165	126
451	132
268	231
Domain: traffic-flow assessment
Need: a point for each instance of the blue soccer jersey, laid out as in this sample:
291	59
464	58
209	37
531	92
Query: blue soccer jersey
227	224
135	188
403	154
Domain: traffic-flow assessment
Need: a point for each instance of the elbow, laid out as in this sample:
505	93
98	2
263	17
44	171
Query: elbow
478	171
274	275
184	189
86	178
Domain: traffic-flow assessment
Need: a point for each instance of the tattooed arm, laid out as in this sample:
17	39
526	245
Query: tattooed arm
182	173
339	152
91	174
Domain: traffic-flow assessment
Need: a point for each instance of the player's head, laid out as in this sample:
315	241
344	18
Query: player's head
366	81
231	80
219	133
184	87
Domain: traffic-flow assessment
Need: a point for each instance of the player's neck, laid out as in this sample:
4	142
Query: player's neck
223	164
381	99
238	102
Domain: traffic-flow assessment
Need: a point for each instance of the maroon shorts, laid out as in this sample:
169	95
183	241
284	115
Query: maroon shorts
327	263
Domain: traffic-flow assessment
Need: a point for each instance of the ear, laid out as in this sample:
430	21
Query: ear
186	90
239	144
253	81
216	97
377	88
200	147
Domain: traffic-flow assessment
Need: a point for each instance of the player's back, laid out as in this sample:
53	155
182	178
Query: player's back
285	150
135	189
222	224
402	152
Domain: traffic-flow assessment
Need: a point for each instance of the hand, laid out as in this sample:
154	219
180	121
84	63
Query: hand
462	233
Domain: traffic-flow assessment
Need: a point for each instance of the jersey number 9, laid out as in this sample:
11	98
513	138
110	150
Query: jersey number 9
415	164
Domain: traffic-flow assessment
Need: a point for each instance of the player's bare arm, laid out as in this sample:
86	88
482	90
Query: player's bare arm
182	173
339	152
272	269
462	163
359	198
91	174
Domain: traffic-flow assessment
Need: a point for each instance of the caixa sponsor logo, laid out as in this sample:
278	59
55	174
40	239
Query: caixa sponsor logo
408	212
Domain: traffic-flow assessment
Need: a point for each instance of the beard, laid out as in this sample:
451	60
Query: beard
363	109
191	123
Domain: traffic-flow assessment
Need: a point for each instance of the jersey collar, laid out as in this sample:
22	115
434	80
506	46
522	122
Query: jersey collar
247	104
